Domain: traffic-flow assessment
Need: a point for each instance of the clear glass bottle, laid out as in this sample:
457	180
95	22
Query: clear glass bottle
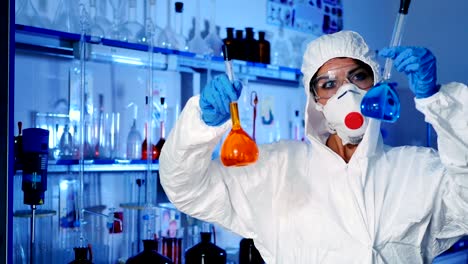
151	22
281	48
167	39
134	139
132	30
179	26
197	44
66	144
117	7
95	29
213	40
101	17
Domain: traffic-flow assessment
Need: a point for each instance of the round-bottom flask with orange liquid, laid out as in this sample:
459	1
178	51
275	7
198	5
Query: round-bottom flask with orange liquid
238	149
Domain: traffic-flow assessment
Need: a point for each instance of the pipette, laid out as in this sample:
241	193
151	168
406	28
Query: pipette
396	35
382	101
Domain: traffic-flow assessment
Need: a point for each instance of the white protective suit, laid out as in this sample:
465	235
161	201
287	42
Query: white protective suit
302	203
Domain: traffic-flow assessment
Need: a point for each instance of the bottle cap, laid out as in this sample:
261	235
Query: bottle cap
179	7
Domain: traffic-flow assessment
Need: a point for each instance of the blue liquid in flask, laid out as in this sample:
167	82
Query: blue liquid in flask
382	102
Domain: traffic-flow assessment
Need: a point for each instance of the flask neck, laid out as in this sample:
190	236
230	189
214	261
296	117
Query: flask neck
205	237
234	115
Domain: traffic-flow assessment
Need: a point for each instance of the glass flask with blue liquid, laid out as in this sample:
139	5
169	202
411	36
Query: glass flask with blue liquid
381	101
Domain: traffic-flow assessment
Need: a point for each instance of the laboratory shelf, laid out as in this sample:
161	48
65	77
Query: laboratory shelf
104	165
53	42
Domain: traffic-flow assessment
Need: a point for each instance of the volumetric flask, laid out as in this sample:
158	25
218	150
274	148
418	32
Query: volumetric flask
238	149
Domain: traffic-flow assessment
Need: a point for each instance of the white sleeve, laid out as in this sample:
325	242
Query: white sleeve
202	187
447	112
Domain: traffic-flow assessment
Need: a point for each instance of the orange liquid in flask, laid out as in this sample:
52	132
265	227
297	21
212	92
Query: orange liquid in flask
239	149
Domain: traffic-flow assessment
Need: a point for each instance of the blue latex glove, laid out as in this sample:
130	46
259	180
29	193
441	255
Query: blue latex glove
216	97
419	64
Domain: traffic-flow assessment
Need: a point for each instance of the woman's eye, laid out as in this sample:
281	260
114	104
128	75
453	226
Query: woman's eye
360	76
331	84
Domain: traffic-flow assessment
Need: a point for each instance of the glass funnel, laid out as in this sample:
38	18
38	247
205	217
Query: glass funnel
238	149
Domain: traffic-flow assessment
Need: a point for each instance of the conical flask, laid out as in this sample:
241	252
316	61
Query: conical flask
238	149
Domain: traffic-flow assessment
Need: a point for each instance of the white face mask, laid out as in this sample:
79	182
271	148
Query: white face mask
343	114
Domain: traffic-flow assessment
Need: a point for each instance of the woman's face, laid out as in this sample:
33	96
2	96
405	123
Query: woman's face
334	73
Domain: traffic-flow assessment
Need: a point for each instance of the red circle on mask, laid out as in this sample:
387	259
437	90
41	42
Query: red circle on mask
354	120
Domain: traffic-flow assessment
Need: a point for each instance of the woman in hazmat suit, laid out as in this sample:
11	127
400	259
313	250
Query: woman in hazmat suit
342	197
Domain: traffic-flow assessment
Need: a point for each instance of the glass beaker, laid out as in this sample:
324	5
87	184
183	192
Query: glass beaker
238	148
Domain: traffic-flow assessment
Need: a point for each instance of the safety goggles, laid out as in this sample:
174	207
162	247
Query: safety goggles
326	85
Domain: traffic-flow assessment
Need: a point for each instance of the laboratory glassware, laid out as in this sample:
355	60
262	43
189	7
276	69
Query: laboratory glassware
149	254
66	148
134	142
238	149
205	251
381	101
263	48
28	15
162	128
132	30
228	42
66	18
213	40
250	45
167	39
296	127
281	48
238	45
81	256
117	7
248	253
179	26
197	44
95	29
146	144
151	24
